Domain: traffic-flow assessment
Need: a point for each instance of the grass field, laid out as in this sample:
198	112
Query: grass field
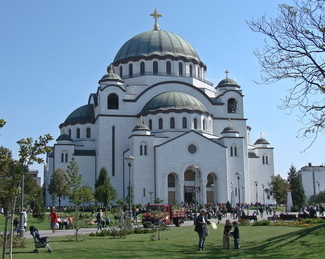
256	242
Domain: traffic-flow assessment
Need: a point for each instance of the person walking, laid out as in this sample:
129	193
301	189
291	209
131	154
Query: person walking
99	219
226	232
54	220
201	227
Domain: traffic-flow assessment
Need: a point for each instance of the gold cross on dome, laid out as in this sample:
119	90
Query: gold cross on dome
227	72
261	134
111	68
156	15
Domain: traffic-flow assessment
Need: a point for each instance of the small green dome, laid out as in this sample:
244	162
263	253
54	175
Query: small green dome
261	141
64	137
227	82
229	129
82	115
176	101
156	43
110	76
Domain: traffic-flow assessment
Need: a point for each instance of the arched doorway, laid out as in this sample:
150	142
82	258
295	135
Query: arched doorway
191	182
211	185
172	188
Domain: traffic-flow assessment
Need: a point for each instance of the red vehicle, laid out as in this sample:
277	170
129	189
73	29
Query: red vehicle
164	214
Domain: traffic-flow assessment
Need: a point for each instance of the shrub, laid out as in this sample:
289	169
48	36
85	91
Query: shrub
264	222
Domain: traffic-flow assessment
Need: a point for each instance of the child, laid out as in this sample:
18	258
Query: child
226	232
235	234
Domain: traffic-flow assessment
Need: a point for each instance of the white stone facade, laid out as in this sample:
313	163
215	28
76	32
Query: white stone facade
196	136
313	179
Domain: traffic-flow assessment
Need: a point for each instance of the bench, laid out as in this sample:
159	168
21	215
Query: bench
248	218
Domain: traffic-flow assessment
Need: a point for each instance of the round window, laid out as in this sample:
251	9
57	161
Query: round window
192	148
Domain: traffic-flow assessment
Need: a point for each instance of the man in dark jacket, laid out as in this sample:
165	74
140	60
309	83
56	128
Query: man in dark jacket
201	227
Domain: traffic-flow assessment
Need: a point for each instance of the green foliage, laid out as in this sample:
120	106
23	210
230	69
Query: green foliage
318	198
2	123
104	191
74	183
264	222
158	200
16	243
295	185
86	194
278	187
58	186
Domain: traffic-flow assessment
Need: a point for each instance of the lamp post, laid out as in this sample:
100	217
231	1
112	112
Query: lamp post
263	195
129	160
238	174
22	143
256	197
195	168
318	183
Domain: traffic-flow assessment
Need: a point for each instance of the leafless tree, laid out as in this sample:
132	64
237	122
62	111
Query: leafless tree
295	49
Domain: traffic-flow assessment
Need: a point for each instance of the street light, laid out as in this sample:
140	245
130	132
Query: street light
195	201
256	197
263	195
129	160
22	143
150	196
238	174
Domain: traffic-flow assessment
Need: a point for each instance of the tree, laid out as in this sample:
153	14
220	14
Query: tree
278	187
58	186
104	191
294	49
2	123
296	187
33	196
86	195
74	193
11	172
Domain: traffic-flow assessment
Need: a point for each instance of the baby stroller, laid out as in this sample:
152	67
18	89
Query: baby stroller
39	241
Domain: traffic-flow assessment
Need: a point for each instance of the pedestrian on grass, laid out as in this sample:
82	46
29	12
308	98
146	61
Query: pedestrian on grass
226	232
201	227
99	219
54	220
235	235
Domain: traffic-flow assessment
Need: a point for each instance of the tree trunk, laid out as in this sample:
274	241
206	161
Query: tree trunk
60	202
5	235
77	223
11	225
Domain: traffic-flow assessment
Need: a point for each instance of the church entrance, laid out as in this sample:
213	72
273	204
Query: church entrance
191	183
189	194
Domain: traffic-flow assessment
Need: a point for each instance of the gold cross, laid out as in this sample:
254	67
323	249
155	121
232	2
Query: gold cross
229	122
111	68
227	72
156	15
261	133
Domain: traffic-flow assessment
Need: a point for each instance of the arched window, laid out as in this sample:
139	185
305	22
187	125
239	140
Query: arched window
168	68
142	68
112	101
62	157
232	105
184	123
121	71
191	71
130	70
160	123
195	123
204	124
210	182
78	133
70	133
233	150
143	149
172	123
265	160
180	69
155	68
150	124
171	181
88	133
199	72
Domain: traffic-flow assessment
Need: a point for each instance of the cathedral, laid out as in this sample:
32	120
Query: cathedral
156	124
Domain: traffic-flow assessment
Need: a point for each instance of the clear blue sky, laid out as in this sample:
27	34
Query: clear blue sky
52	54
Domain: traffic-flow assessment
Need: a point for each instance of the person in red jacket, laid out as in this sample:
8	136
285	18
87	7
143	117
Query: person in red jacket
54	220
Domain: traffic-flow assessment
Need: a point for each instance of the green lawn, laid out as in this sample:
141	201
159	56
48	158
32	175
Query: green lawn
256	242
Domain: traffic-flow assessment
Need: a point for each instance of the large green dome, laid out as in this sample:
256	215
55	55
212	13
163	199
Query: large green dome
82	115
156	44
173	101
